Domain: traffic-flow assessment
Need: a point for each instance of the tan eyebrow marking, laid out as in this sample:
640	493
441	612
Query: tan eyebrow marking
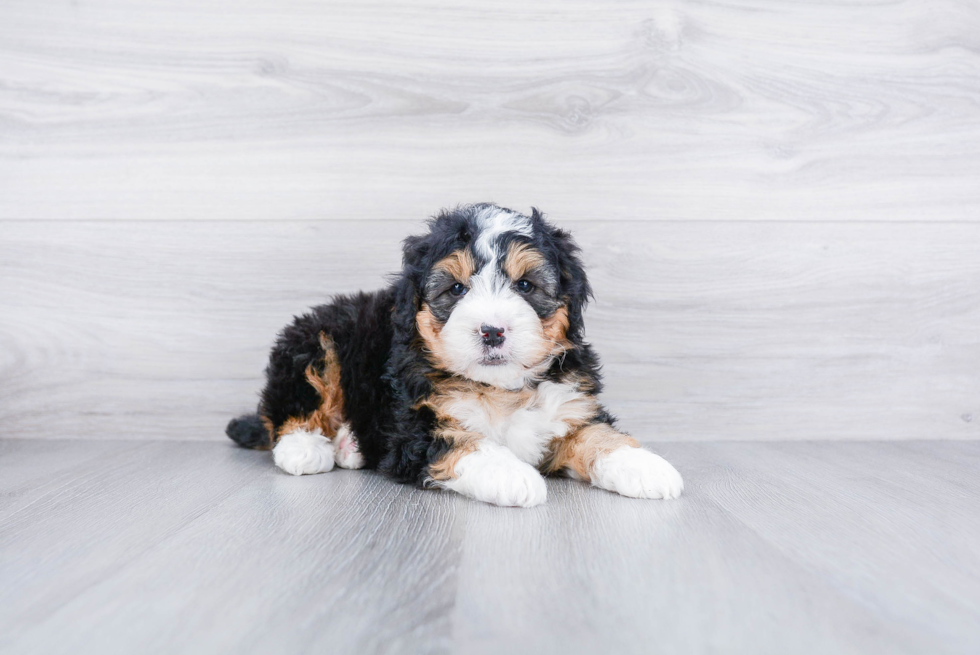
522	258
459	264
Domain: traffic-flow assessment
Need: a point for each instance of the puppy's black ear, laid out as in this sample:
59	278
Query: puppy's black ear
573	283
414	250
408	287
406	367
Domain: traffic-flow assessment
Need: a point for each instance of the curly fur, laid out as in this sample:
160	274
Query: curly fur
388	377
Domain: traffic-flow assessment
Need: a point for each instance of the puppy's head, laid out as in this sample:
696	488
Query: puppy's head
496	295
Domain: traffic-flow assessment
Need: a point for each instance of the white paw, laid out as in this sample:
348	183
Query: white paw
346	453
303	453
637	473
493	474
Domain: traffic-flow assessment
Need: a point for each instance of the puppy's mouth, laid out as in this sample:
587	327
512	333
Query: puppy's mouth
493	359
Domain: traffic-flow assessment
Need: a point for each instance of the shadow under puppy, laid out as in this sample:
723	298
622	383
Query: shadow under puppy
469	373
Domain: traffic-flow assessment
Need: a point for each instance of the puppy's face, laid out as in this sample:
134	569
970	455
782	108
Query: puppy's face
492	309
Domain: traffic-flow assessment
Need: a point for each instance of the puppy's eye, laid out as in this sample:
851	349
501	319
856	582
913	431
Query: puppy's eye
524	286
457	289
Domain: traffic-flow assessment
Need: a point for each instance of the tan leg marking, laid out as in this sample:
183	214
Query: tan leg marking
330	414
270	429
462	443
579	450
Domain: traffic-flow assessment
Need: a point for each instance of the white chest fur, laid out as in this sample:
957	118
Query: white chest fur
524	421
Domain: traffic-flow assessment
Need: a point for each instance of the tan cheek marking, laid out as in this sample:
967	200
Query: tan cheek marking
520	259
430	331
553	341
579	451
459	264
556	326
330	414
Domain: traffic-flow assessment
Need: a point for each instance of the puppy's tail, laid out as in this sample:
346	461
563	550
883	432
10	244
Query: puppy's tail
249	432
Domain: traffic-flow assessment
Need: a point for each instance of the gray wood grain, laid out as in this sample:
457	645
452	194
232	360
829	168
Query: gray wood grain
882	505
167	547
271	109
708	331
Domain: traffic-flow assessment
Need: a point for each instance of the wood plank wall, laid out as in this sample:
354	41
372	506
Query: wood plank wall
779	201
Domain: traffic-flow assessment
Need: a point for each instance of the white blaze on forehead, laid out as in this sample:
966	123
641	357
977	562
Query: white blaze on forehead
493	222
488	280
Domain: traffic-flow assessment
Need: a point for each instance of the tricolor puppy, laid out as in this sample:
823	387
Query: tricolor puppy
469	373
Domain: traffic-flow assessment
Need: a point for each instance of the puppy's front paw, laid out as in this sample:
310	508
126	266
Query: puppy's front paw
304	453
517	486
637	473
493	474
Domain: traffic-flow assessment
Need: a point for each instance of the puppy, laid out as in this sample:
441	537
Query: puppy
469	373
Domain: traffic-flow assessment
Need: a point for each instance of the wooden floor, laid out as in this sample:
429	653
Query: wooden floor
182	546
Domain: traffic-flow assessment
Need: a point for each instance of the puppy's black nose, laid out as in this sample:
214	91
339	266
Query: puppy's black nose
492	336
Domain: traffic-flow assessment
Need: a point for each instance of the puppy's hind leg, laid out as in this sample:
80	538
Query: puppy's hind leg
303	443
346	452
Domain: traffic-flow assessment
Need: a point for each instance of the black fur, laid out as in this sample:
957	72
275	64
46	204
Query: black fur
384	370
